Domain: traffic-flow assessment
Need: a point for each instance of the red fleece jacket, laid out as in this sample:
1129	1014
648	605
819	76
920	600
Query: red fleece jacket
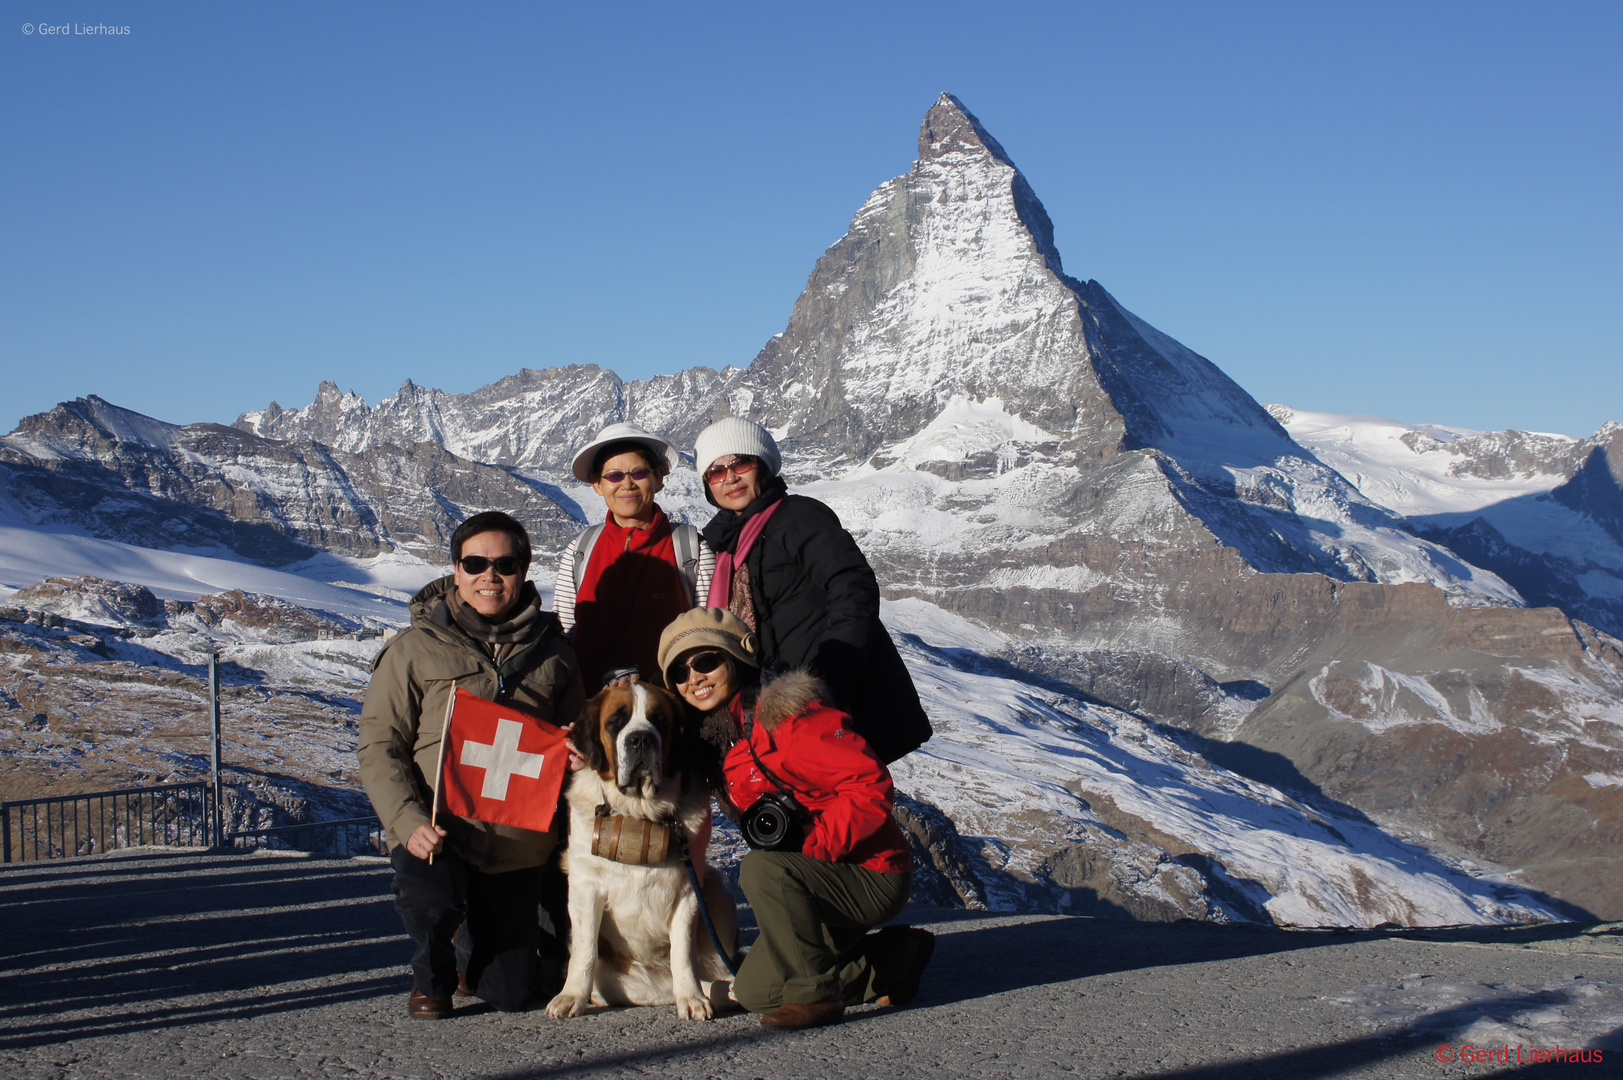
833	774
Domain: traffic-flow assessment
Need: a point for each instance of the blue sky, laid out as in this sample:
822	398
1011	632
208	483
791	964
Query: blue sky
1395	208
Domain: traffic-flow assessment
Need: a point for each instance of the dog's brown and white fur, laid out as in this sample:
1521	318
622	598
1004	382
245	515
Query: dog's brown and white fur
635	932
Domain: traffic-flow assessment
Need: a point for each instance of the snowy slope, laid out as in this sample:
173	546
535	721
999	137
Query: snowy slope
1450	476
1011	758
1415	469
372	589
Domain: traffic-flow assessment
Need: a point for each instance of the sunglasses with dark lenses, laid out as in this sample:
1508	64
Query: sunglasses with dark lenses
638	475
506	565
742	467
703	663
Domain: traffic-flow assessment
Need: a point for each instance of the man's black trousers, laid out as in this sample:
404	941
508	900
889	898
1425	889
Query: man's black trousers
501	929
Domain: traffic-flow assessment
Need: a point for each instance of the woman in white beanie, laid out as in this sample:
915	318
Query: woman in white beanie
620	582
791	572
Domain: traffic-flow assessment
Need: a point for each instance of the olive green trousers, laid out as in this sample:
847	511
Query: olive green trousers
814	918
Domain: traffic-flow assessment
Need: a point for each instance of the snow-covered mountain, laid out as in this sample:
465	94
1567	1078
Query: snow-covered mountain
1545	512
1144	553
118	475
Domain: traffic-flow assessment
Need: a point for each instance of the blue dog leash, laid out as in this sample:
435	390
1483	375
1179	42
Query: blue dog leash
704	908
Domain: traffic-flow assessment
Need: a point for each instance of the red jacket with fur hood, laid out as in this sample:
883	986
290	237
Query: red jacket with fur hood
830	770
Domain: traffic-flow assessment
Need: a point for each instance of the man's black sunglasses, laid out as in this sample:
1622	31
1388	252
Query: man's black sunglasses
506	565
703	663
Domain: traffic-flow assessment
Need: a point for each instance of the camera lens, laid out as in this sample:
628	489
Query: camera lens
773	823
767	827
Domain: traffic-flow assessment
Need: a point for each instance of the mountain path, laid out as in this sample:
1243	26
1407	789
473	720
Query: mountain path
180	963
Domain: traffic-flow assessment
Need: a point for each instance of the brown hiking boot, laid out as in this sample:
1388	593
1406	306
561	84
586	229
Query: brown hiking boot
422	1007
795	1017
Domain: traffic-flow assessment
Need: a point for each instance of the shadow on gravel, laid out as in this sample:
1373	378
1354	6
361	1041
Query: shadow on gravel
139	863
167	1015
1422	1043
127	944
1023	952
1014	955
640	1061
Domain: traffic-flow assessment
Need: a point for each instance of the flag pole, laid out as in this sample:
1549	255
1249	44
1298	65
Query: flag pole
439	767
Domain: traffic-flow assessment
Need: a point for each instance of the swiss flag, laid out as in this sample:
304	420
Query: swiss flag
501	765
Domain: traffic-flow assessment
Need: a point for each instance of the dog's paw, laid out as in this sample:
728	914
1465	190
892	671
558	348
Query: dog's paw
693	1008
566	1005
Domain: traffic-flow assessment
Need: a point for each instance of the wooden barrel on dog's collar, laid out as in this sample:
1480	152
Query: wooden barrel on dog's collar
629	840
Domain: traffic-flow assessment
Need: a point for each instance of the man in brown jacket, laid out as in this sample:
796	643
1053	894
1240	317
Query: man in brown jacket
481	629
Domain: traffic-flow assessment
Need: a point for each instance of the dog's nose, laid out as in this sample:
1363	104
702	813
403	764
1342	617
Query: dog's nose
639	742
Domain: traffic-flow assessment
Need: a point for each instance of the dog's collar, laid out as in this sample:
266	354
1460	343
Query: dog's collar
632	840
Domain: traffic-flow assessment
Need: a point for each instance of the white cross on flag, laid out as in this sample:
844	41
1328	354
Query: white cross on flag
501	766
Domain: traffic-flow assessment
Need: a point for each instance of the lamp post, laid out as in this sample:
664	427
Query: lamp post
218	838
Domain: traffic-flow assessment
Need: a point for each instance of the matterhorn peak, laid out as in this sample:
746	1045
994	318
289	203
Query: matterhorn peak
950	128
948	286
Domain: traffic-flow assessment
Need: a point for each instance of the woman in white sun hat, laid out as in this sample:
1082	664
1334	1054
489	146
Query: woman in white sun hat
621	582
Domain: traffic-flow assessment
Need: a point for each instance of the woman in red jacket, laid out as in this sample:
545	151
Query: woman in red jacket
843	865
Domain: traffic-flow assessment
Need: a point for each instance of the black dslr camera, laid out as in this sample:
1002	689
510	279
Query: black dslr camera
775	822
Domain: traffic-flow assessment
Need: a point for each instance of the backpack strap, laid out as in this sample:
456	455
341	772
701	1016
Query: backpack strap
686	539
583	553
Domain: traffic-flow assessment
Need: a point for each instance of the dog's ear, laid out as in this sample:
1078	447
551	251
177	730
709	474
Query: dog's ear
588	734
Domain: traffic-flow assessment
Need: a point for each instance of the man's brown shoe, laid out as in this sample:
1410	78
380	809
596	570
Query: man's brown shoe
916	949
794	1017
422	1007
462	989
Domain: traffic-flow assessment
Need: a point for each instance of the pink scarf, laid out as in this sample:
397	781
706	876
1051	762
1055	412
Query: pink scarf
721	582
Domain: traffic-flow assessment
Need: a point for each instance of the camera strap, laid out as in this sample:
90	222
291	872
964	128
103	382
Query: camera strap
783	789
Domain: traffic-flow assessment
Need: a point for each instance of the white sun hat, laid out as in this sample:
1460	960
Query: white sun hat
627	432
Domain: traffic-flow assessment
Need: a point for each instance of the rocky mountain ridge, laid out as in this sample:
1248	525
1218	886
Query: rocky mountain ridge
96	466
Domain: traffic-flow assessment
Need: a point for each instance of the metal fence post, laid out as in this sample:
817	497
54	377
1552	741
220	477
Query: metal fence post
218	839
5	830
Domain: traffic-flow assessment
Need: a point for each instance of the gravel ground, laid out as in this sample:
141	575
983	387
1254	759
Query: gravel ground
186	964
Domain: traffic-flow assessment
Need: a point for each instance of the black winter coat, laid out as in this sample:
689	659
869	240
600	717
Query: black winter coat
817	607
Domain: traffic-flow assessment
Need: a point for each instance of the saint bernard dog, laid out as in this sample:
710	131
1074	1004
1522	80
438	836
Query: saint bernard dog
636	936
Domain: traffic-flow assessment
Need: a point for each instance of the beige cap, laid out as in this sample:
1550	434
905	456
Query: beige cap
706	628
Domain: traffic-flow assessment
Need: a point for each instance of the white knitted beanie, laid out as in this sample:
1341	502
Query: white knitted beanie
735	435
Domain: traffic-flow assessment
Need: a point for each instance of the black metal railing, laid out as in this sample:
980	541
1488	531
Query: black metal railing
63	826
344	837
163	815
